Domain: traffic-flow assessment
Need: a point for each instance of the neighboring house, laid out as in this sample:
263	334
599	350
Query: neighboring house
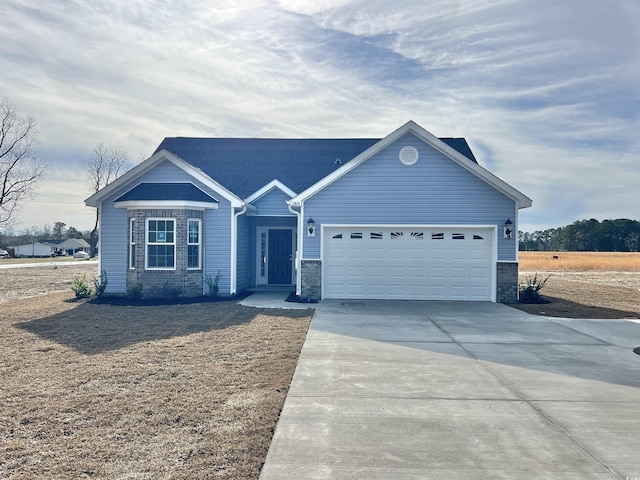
74	245
409	216
35	249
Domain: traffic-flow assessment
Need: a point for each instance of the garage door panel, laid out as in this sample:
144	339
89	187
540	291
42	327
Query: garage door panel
376	271
459	253
479	273
437	253
416	273
458	273
437	272
417	291
408	263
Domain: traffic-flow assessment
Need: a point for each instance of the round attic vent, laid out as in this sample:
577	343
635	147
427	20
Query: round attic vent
408	155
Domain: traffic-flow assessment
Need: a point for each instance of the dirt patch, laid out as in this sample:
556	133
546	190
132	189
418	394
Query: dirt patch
187	391
33	281
588	295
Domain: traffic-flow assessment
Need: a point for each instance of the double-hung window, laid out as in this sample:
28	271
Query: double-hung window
132	243
194	227
161	244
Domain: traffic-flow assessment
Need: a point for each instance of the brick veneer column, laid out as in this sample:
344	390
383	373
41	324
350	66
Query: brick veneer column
311	285
507	282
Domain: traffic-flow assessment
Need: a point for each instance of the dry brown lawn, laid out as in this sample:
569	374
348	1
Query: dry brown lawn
580	261
193	391
34	281
141	392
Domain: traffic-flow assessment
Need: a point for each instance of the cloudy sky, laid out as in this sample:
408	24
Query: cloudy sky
547	92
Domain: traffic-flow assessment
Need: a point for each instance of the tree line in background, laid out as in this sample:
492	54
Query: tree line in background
620	235
58	231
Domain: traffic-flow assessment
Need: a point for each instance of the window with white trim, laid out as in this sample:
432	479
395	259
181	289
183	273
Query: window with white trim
161	243
132	243
193	243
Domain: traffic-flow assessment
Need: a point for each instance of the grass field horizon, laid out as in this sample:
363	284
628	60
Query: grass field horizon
579	261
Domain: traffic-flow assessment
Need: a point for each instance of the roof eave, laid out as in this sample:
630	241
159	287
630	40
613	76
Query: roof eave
261	192
140	169
412	127
167	204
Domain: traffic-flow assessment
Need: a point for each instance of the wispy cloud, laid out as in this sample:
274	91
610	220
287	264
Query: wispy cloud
546	91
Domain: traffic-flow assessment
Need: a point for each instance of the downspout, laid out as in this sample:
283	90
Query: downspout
233	281
298	259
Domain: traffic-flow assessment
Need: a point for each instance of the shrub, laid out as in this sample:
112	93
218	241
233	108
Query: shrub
100	284
168	291
134	292
213	283
80	287
530	291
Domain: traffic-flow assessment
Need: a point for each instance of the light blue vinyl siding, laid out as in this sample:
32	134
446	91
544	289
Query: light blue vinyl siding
244	254
273	203
216	231
217	244
114	245
435	190
167	172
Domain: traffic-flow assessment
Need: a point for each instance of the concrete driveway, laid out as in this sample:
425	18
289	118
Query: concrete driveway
451	390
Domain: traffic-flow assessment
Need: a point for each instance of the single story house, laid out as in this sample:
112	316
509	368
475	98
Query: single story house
408	216
72	245
35	249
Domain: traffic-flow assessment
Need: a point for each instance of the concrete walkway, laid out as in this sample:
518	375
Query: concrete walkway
274	299
444	390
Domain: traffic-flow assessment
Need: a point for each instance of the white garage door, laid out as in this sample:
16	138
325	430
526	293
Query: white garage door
424	263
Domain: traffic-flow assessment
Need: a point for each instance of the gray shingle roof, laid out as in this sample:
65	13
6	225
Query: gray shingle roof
167	191
244	165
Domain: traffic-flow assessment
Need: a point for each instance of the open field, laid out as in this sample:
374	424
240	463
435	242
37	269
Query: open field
579	262
585	284
141	392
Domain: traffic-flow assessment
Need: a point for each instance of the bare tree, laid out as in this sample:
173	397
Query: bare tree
106	163
19	168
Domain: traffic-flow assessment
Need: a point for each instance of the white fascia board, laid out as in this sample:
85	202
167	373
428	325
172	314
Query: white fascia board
166	204
151	162
143	167
267	188
522	201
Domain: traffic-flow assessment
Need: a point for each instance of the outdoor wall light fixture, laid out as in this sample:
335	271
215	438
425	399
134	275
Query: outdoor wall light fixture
311	228
508	228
